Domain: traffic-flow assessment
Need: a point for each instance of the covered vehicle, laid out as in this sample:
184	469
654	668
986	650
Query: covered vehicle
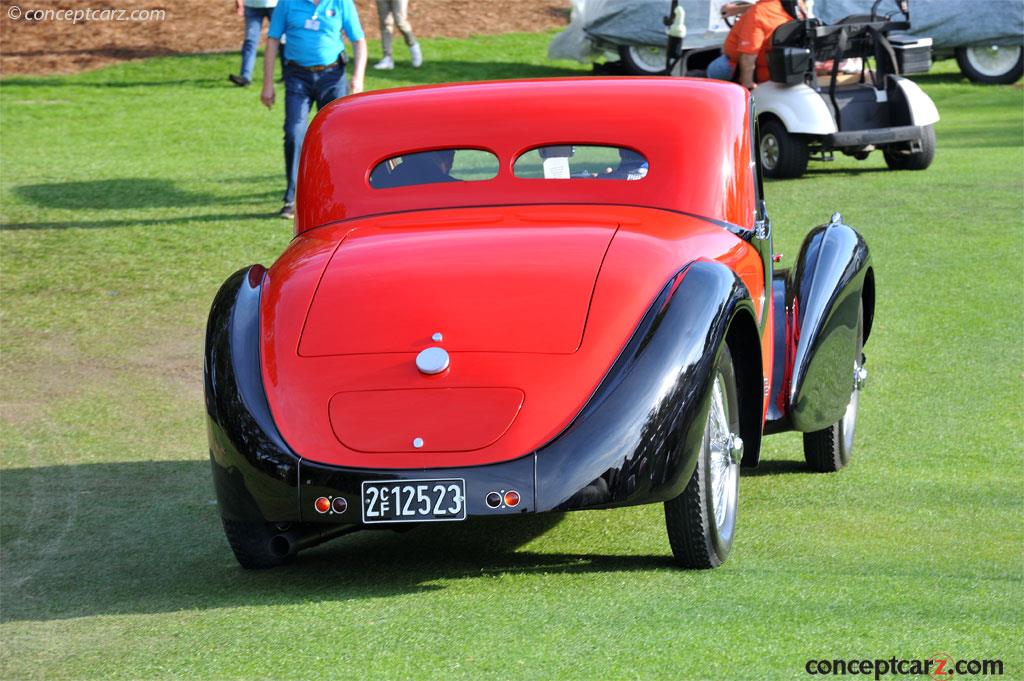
517	306
987	38
632	32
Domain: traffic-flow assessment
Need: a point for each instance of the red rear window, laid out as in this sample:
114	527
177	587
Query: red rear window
431	167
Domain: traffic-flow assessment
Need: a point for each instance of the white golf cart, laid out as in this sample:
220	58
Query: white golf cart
806	114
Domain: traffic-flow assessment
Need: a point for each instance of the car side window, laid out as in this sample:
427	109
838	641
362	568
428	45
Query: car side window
577	161
434	166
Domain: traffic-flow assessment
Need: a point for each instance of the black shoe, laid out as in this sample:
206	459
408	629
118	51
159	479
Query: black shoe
238	80
287	211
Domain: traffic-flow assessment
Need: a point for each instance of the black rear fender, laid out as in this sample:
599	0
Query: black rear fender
255	474
637	439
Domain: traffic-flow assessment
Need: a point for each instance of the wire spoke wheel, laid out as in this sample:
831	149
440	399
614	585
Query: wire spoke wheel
701	521
723	469
830	449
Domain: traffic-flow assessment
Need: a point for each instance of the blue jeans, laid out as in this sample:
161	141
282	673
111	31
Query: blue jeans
302	88
254	17
721	69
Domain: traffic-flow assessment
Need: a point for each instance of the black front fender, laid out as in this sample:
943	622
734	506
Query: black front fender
822	295
637	439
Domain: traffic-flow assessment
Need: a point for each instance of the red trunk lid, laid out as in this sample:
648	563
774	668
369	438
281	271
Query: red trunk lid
484	288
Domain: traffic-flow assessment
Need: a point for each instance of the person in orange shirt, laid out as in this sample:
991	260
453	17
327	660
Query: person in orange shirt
746	47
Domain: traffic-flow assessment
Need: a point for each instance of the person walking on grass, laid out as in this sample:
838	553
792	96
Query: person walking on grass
395	13
314	70
254	11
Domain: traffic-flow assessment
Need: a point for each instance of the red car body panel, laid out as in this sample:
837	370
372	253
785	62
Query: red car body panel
707	120
390	280
450	419
535	285
649	246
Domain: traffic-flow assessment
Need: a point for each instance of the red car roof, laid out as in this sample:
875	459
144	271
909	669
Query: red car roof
694	133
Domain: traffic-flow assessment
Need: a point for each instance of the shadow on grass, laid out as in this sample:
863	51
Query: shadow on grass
855	171
778	467
137	222
52	81
116	194
954	78
137	194
145	537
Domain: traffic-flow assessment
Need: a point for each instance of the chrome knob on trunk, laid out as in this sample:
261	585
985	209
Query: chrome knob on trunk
433	360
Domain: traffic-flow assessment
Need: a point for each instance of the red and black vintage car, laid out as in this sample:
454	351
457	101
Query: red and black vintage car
528	300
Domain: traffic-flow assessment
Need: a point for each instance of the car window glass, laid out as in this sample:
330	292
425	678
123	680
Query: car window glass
577	161
430	167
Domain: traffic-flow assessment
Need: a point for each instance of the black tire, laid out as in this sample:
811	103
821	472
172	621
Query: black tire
830	449
251	544
699	539
916	161
783	155
640	60
991	73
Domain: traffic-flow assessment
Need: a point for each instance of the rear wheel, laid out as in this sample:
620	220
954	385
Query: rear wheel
253	545
898	159
783	155
828	450
991	64
643	60
701	521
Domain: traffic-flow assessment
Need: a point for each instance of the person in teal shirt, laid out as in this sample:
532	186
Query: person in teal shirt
314	69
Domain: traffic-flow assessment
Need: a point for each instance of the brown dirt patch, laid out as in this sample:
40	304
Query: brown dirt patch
191	26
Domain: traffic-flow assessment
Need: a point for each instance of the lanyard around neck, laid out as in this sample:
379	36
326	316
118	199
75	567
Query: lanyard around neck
317	8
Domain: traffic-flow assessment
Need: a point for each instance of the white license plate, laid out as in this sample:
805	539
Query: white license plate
413	501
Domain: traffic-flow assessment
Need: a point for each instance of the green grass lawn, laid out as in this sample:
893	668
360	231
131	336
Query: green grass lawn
130	193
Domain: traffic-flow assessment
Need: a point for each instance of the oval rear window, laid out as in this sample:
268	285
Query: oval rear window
435	166
579	161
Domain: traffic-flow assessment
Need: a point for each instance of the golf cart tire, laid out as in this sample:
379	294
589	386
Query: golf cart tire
1011	75
792	151
634	65
918	160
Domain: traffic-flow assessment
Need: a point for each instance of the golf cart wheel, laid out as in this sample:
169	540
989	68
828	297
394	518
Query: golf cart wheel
828	450
643	60
991	64
783	155
918	160
701	521
253	546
